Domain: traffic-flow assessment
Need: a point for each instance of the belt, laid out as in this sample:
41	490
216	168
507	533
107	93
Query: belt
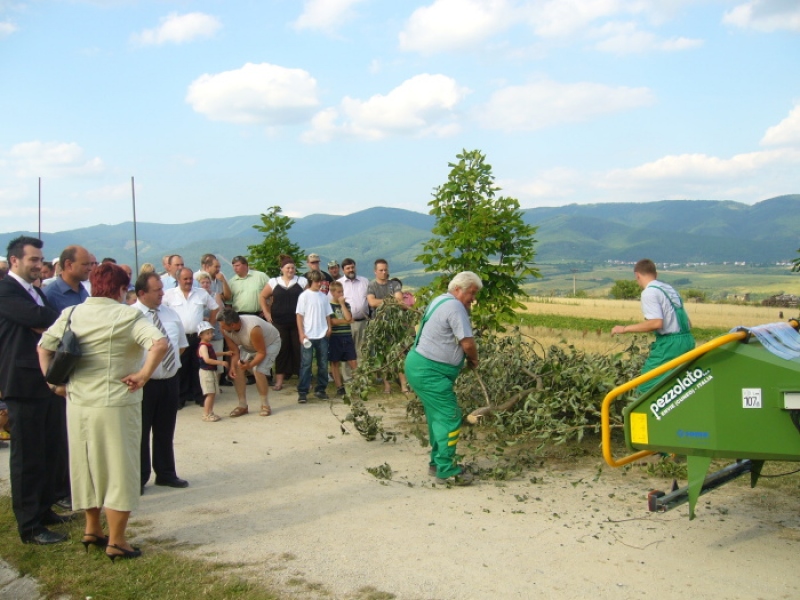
361	319
254	314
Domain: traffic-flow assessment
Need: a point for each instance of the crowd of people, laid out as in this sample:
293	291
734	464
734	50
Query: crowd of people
151	342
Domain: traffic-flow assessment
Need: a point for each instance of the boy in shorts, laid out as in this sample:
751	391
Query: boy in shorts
209	382
341	346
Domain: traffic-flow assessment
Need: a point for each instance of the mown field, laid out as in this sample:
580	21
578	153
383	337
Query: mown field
587	322
719	282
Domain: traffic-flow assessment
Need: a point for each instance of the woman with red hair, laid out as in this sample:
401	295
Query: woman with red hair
104	417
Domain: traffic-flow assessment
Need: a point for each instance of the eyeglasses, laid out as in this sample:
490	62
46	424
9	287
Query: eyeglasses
313	262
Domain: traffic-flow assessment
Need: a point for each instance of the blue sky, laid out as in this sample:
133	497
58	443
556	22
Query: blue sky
224	108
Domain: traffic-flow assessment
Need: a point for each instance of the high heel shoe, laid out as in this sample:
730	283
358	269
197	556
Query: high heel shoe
99	541
135	553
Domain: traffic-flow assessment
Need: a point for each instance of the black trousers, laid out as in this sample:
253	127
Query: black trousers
190	390
160	400
36	464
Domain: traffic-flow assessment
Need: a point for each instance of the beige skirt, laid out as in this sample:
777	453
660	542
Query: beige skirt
104	456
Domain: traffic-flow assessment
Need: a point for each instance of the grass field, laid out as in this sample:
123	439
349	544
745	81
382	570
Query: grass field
587	322
719	282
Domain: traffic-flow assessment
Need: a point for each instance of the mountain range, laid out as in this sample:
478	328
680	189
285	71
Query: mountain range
668	231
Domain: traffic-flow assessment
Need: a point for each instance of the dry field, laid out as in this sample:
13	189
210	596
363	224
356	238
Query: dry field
725	316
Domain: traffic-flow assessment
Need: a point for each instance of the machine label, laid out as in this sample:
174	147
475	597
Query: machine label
639	428
751	397
684	388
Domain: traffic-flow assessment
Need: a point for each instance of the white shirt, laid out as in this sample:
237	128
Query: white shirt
28	288
175	334
656	306
355	292
190	309
315	307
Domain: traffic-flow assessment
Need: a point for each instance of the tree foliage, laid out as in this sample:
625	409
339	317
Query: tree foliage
625	289
478	231
264	256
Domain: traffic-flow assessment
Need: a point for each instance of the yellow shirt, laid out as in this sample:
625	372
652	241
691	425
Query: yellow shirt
113	337
245	291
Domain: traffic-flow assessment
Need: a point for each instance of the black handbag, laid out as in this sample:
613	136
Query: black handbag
67	355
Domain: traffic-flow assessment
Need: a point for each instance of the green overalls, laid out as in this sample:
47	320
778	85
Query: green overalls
668	346
433	382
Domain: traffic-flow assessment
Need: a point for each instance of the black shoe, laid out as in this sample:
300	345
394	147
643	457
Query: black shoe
65	503
44	537
340	391
175	483
225	382
135	553
53	519
302	398
321	395
94	540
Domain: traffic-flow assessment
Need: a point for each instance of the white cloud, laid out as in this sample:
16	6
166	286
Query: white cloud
558	18
179	29
786	132
627	38
765	15
6	28
550	185
50	159
701	168
547	103
326	15
423	105
454	24
255	93
118	191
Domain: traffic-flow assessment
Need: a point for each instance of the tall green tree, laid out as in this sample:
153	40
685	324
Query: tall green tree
264	256
478	231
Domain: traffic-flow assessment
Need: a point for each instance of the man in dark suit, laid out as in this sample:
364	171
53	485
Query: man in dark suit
37	427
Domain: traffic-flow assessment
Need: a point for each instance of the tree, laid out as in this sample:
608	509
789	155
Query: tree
625	289
477	231
264	256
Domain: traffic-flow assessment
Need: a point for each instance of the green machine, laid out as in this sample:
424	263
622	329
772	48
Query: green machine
736	397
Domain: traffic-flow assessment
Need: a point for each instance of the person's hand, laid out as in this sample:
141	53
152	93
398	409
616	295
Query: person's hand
220	276
232	373
243	364
472	363
60	390
134	381
618	329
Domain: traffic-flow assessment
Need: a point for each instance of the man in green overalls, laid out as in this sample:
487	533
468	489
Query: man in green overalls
664	314
444	341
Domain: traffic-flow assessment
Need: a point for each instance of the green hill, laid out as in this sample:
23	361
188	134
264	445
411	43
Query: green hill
672	231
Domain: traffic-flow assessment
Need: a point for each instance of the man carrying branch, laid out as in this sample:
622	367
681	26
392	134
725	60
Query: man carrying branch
444	340
664	314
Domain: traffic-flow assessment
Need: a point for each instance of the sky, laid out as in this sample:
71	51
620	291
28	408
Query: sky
228	107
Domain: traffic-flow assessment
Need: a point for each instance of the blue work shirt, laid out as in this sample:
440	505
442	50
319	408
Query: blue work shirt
61	296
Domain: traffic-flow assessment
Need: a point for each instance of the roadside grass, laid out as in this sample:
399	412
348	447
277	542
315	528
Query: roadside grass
162	572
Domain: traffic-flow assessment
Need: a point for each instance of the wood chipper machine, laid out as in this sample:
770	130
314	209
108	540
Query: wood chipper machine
735	397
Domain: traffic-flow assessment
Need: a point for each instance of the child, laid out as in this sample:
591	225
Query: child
341	346
314	327
208	369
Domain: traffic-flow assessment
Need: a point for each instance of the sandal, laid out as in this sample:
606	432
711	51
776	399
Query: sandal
265	410
239	411
210	418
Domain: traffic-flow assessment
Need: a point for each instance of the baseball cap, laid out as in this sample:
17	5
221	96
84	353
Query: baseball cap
204	326
332	263
313	257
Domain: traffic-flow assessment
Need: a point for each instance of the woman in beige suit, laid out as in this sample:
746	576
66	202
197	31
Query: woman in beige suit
104	404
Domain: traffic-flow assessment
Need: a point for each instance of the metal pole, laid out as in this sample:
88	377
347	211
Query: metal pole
40	208
135	239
